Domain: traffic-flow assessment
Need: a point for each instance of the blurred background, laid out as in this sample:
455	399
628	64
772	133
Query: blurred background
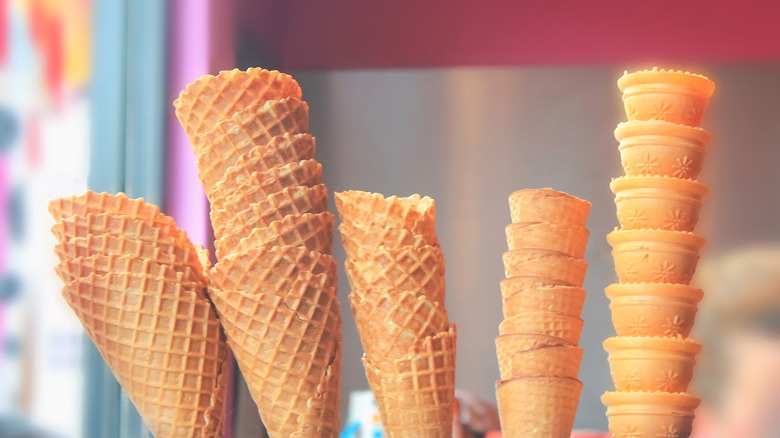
455	100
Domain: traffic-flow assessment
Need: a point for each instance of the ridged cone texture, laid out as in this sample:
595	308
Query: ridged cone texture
360	243
365	210
314	231
538	406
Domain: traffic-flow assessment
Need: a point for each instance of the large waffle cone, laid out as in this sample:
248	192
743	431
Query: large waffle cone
291	200
306	173
314	231
416	398
360	243
366	210
286	343
270	270
251	127
164	345
538	406
211	99
391	322
546	264
419	269
71	269
548	205
550	361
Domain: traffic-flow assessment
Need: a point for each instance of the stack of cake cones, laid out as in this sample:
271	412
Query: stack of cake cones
274	285
538	356
396	269
138	286
655	251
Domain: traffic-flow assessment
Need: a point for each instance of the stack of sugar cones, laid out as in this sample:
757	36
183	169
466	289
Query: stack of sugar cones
396	269
138	285
538	356
655	252
274	285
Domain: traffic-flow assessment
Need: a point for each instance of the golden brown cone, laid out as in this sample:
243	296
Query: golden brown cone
311	230
270	270
564	238
546	264
560	299
658	202
558	325
247	129
155	335
549	361
291	200
655	256
512	285
286	342
71	269
360	243
372	210
511	344
304	173
419	269
538	406
210	99
390	322
650	363
548	205
650	414
321	419
416	398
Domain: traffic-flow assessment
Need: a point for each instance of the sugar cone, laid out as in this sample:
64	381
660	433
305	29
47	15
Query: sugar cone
164	345
254	126
651	364
656	147
512	285
391	322
509	345
561	299
419	269
547	264
567	239
291	200
658	203
416	398
667	310
548	205
655	256
367	210
270	270
360	243
314	231
538	406
650	414
304	173
286	343
561	326
211	99
672	96
553	361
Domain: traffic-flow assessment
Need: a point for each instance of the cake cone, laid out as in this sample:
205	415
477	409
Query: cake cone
314	231
548	205
416	398
419	269
211	99
656	147
164	345
650	414
645	309
547	264
287	345
658	203
566	300
256	125
538	406
651	364
360	243
567	239
512	285
561	326
366	210
655	256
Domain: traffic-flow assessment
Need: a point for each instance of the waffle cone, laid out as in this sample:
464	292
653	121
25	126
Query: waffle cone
548	205
391	322
658	203
538	406
211	99
287	345
419	269
566	239
547	264
164	345
557	325
372	210
512	285
291	200
270	270
656	147
314	231
650	414
360	243
653	309
651	364
252	127
416	398
552	361
655	256
72	269
562	299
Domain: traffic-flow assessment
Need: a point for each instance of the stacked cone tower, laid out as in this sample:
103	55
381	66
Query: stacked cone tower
655	252
274	285
396	269
138	285
538	356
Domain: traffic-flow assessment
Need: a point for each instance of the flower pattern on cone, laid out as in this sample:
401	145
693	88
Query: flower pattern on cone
658	203
651	364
